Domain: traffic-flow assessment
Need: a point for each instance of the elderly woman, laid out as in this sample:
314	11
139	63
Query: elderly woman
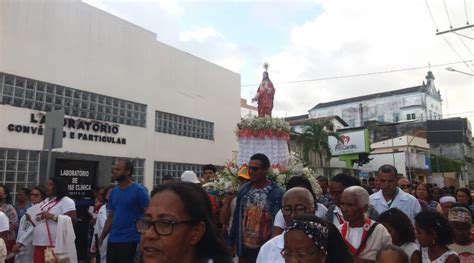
364	237
178	227
308	238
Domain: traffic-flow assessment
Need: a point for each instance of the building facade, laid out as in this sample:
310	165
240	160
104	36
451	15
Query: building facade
125	95
414	103
247	110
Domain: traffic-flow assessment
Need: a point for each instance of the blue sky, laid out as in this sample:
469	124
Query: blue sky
316	39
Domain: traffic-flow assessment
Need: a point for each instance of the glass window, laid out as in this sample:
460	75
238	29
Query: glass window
8	90
59	90
48	96
20	82
40	86
19	92
50	88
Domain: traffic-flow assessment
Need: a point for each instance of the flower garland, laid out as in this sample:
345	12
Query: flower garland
261	127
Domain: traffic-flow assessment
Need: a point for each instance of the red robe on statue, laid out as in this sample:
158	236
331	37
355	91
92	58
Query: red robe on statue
264	97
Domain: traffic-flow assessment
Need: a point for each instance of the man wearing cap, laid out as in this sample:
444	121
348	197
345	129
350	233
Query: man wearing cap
460	218
230	199
258	201
446	202
390	195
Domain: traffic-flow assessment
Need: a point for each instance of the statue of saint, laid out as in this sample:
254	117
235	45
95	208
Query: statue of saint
265	94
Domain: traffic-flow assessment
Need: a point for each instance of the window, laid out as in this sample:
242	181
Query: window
396	117
33	94
174	169
413	116
183	126
19	169
408	117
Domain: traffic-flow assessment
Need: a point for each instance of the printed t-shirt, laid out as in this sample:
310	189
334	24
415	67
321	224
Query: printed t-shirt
52	206
257	218
126	205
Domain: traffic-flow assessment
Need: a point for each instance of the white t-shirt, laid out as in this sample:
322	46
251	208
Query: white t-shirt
280	220
354	236
410	248
335	220
40	233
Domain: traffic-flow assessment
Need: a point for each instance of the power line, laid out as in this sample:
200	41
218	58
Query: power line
471	38
464	44
447	14
454	50
465	9
431	14
362	74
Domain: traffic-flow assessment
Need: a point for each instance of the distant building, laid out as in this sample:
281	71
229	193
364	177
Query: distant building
409	154
247	110
452	138
415	103
297	122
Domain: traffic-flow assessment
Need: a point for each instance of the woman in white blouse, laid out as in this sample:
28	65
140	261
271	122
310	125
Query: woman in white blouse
46	220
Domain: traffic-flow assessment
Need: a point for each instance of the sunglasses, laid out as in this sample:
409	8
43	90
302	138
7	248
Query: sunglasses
254	168
405	186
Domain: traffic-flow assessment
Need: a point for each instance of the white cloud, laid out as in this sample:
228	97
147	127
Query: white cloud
352	37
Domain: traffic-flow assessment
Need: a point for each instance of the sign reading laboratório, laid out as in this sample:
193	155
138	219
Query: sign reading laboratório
80	176
351	142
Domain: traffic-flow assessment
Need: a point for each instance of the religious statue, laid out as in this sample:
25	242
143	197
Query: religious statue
265	94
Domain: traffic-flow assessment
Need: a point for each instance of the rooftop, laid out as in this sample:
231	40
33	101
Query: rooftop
421	88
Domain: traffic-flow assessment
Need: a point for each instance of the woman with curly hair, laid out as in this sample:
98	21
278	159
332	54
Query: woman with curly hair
435	233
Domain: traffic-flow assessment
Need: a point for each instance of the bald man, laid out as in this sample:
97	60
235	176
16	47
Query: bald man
405	185
296	201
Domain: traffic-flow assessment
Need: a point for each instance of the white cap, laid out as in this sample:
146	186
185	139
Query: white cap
4	222
190	176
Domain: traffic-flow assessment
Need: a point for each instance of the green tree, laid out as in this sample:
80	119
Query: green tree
314	140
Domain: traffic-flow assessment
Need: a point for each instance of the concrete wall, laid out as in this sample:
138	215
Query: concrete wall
73	44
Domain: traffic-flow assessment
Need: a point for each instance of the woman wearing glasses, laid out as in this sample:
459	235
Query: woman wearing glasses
312	239
178	227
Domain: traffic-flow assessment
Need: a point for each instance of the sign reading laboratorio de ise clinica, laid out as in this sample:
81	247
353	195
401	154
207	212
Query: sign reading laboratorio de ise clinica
74	129
351	142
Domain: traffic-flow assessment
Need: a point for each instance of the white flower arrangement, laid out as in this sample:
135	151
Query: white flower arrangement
227	178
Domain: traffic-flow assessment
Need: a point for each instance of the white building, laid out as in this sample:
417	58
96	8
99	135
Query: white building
414	103
124	94
297	122
247	110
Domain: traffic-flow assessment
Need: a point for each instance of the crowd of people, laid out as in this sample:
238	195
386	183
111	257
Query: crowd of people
385	219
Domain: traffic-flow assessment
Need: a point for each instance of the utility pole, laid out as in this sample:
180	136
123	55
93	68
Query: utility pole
454	29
